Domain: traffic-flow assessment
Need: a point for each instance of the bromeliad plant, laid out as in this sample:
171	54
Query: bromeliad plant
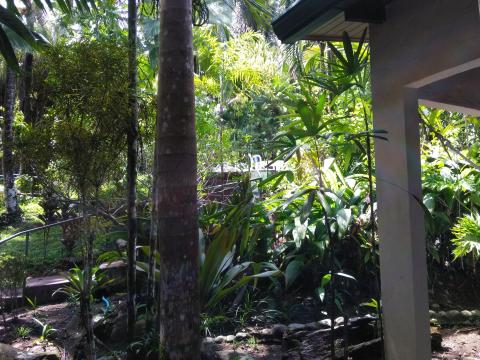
79	293
229	242
76	284
227	265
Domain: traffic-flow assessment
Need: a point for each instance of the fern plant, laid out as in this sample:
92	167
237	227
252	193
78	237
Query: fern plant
466	234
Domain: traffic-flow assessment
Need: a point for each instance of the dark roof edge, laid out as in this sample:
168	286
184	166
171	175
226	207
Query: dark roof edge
302	17
306	15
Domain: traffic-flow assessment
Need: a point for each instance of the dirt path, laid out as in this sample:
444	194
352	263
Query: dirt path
460	344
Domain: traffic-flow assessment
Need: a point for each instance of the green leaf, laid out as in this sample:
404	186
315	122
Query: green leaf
299	232
344	217
293	270
320	291
346	276
429	202
7	51
326	280
15	24
307	207
277	178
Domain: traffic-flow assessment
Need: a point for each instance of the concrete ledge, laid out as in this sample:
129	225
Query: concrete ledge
41	289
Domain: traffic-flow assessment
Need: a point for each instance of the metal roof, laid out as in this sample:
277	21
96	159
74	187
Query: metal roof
327	19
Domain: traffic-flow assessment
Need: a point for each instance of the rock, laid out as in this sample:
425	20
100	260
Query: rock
339	321
441	314
432	314
121	244
102	327
219	339
36	349
7	352
97	319
230	355
296	327
453	315
119	328
312	326
266	333
241	336
38	356
75	332
325	323
466	314
42	288
208	350
208	340
436	306
476	313
279	330
229	338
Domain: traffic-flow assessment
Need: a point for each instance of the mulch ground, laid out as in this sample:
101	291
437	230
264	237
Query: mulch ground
458	343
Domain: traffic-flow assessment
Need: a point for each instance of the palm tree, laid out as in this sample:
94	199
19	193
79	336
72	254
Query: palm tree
132	143
175	180
11	203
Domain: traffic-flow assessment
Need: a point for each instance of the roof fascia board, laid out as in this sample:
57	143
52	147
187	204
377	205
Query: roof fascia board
305	31
307	15
302	18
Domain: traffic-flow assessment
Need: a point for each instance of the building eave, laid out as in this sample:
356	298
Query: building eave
305	16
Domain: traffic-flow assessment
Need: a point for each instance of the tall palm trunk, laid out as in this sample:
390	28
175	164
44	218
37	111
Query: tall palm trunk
26	79
11	203
85	302
25	97
132	140
175	185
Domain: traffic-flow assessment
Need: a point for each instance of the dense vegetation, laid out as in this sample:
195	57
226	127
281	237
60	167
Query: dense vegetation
298	226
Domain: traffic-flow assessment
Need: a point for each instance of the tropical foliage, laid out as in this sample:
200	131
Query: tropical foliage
286	168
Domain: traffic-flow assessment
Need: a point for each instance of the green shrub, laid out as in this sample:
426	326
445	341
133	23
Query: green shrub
466	234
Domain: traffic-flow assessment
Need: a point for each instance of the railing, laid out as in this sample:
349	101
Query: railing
28	232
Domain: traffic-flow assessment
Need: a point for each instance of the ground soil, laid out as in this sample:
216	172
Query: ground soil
57	315
463	343
458	343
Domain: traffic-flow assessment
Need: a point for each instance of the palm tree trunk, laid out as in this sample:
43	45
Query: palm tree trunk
176	185
153	243
25	98
11	203
26	79
132	140
87	313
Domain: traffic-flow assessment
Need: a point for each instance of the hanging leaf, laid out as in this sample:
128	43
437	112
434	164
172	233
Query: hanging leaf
307	207
293	270
7	51
299	232
344	217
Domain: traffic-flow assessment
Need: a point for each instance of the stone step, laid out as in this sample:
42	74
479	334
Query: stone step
41	289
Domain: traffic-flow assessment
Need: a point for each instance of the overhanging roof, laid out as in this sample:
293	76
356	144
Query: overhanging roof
327	19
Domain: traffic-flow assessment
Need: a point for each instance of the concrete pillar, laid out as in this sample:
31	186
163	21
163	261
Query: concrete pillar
401	222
